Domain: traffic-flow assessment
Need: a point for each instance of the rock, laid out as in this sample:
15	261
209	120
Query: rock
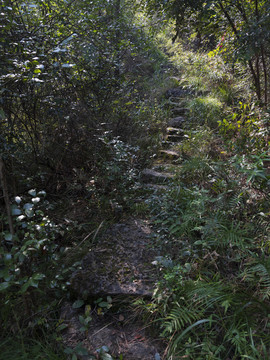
174	138
156	187
149	175
169	154
119	265
174	131
179	111
179	92
176	122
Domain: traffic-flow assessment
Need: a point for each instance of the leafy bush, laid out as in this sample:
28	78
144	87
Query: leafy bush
244	130
30	272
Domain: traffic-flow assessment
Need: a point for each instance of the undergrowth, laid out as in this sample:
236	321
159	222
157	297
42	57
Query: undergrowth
89	179
212	224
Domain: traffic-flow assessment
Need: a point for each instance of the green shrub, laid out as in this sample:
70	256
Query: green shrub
30	277
206	110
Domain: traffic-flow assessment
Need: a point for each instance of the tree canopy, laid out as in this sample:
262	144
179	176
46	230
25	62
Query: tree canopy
242	26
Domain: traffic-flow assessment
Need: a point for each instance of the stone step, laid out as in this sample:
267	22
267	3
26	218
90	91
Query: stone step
122	264
180	111
156	187
174	138
169	154
152	176
176	122
174	131
130	273
179	92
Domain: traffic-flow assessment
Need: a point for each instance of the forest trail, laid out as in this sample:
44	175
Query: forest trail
134	187
134	273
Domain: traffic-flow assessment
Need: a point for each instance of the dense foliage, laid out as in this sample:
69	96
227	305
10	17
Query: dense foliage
212	224
66	86
73	111
238	29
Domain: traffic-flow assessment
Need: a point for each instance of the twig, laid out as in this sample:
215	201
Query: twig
94	237
104	327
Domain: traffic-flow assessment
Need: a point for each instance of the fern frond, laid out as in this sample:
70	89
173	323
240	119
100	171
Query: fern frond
179	317
237	335
209	296
259	274
234	235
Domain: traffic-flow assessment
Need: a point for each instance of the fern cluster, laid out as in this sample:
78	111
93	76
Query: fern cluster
217	285
212	224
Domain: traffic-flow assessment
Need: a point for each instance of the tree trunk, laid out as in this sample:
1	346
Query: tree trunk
5	194
117	15
254	72
265	77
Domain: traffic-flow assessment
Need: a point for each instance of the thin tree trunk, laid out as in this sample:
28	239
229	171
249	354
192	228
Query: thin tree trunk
256	76
5	193
258	82
117	16
265	77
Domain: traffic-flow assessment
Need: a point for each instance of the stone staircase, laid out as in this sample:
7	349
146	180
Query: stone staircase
123	265
174	135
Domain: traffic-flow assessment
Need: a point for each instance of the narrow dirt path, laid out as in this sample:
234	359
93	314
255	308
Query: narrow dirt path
121	268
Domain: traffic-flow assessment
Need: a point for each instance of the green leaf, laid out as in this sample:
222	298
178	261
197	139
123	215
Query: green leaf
226	305
4	273
81	350
15	211
8	237
29	213
4	285
33	281
67	65
25	287
87	310
68	351
61	327
103	304
32	192
28	206
199	322
77	304
7	257
38	276
81	319
2	114
106	357
18	199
